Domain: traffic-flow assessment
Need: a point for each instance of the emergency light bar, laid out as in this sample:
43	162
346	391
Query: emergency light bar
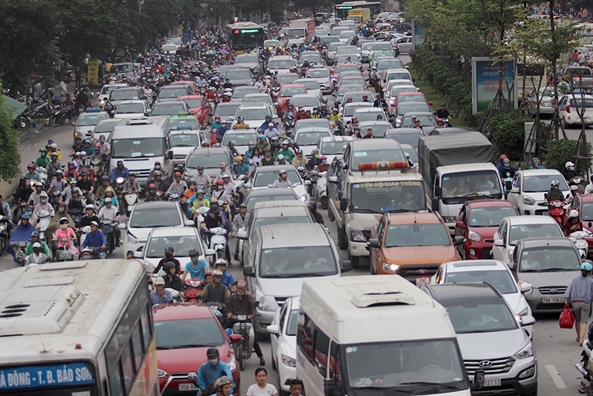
382	165
92	110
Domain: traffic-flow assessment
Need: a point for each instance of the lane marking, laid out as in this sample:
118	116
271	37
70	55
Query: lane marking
555	376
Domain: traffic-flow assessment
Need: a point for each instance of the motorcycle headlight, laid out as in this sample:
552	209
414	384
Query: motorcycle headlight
525	352
528	200
162	373
357	236
474	236
264	304
390	267
287	360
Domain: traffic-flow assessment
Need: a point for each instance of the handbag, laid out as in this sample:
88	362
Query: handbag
567	317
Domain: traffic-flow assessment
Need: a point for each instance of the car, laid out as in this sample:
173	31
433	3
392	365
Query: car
410	96
308	138
269	195
314	58
350	78
104	128
322	76
281	64
241	137
477	222
412	245
315	123
198	107
208	157
349	109
356	96
307	101
342	67
264	176
409	136
183	334
381	64
223	69
259	98
239	77
570	106
227	110
312	86
379	54
403	44
283	341
170	108
379	128
445	131
172	92
333	146
346	36
119	70
530	186
549	265
583	204
490	337
182	141
132	109
184	121
514	228
182	239
394	92
494	272
327	40
285	96
332	50
142	220
545	97
370	114
169	49
344	92
251	62
428	121
288	78
87	121
240	92
412	109
254	114
106	90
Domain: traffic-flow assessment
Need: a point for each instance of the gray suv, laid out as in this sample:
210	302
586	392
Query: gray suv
490	337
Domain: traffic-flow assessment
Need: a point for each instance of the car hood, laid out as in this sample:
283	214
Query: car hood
254	123
187	360
241	81
541	279
421	254
325	81
181	150
278	287
363	221
493	345
485	232
129	115
191	173
539	196
141	234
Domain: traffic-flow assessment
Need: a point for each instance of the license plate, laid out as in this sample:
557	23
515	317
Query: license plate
552	300
422	281
492	382
188	387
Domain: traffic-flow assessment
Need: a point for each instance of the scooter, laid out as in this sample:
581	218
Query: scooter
200	213
244	348
54	198
218	242
108	228
19	248
131	198
76	215
67	252
578	238
321	189
507	183
557	211
44	218
193	289
585	367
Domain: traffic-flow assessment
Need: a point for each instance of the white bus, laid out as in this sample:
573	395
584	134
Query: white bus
77	329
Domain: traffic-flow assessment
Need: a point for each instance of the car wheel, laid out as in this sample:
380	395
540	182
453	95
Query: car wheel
342	242
323	202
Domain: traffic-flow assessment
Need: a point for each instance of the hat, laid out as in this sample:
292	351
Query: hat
94	223
63	219
271	124
159	281
25	216
568	164
107	200
89	206
285	141
177	174
157	173
36	245
243	205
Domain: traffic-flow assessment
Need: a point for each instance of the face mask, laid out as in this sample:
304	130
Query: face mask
108	204
194	260
240	293
63	226
44	201
317	156
157	167
36	250
43	154
325	161
168	254
212	362
29	212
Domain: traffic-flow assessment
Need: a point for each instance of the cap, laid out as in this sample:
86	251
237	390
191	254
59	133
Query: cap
89	206
568	164
107	200
271	124
243	205
94	223
159	281
36	245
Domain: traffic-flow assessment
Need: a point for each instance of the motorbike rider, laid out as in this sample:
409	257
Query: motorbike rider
103	148
223	386
199	201
58	184
21	195
569	171
554	194
306	64
35	239
240	124
43	159
89	216
37	257
239	221
507	169
589	188
286	151
296	387
573	224
289	114
67	192
315	113
221	131
249	151
53	166
242	303
160	295
282	181
172	280
232	148
95	240
131	185
269	119
35	196
110	212
157	168
87	148
271	131
227	278
214	218
219	194
160	183
301	114
202	179
241	168
119	171
77	146
315	160
300	159
64	232
104	186
443	113
335	116
262	143
86	254
169	257
110	193
195	268
281	160
268	159
151	195
31	173
86	184
216	124
76	201
536	164
44	205
210	372
178	186
215	292
5	211
227	84
53	147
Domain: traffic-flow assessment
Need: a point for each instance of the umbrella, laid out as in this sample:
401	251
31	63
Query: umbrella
12	106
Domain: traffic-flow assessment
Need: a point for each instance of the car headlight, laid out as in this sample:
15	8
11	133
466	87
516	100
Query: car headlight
511	250
132	240
287	360
303	198
449	219
264	304
530	372
357	236
528	200
525	352
474	236
520	315
162	373
232	364
387	267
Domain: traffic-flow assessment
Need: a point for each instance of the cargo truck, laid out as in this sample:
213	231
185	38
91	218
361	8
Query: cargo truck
303	28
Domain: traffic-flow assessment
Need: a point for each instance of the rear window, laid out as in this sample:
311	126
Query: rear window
189	333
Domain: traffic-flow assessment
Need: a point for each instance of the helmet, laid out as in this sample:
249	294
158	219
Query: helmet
63	220
506	162
220	262
217	272
169	265
194	252
239	158
220	182
54	153
89	206
568	164
35	234
285	142
554	183
242	284
107	200
224	176
169	249
222	381
281	171
573	213
152	186
31	165
212	352
280	157
104	177
586	266
87	250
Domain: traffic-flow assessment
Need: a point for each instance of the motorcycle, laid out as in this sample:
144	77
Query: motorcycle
576	182
244	348
337	127
108	228
507	184
275	144
42	172
23	121
199	216
585	367
54	198
4	237
19	248
59	116
218	242
66	252
76	215
193	289
578	238
314	177
83	233
43	218
321	189
131	198
557	211
289	124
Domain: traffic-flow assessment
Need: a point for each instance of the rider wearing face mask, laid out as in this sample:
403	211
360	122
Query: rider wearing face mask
169	252
64	235
212	370
44	205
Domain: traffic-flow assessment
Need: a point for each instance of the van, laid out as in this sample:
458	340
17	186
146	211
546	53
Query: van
382	333
277	263
139	143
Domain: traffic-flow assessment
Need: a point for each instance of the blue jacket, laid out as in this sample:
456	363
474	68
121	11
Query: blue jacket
227	279
207	375
116	172
95	240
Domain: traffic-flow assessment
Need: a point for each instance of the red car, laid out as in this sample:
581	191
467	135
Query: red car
199	107
477	222
583	204
286	93
184	332
339	68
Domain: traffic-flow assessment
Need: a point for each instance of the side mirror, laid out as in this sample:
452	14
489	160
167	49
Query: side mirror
430	103
235	338
374	243
122	226
190	223
170	155
307	182
435	204
526	287
499	242
138	255
329	385
273	329
459	224
347	266
515	190
438	191
248	271
458	240
210	252
527	320
343	204
242	234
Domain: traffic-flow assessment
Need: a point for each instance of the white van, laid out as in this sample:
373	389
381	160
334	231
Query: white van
360	333
139	143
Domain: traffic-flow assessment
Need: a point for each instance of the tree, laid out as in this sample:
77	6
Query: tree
311	5
10	158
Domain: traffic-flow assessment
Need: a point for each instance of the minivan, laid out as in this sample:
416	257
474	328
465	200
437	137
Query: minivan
139	143
277	263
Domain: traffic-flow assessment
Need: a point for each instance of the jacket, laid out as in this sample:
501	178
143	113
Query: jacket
207	375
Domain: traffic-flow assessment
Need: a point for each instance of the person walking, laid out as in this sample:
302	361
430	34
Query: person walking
579	295
261	386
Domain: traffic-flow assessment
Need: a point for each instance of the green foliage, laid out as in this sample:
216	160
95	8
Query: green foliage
507	132
311	5
10	157
562	150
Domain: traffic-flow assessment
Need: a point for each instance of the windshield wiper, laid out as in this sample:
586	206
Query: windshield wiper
357	390
429	384
191	346
364	210
554	269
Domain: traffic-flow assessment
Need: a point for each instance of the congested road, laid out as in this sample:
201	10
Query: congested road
556	349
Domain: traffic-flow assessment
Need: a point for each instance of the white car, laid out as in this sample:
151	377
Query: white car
284	330
254	114
350	108
514	228
370	114
183	141
147	216
312	86
494	272
323	78
265	176
106	90
308	101
132	109
333	146
280	64
568	105
529	187
260	98
308	138
182	239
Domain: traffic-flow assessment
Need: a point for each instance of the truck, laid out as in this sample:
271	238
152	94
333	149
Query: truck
356	201
580	77
308	28
359	16
457	168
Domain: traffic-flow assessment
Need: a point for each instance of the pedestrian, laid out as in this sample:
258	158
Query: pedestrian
579	295
261	386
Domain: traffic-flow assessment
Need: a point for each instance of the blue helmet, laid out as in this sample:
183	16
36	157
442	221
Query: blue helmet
586	266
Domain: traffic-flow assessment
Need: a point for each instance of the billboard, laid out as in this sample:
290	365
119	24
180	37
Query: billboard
417	35
486	81
93	72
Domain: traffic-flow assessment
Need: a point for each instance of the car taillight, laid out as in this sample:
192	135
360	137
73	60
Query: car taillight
568	108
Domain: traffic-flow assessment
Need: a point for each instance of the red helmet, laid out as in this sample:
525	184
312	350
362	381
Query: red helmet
220	182
242	284
152	186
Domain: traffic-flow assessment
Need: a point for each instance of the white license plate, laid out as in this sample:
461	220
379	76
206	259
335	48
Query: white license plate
552	300
422	281
187	387
492	382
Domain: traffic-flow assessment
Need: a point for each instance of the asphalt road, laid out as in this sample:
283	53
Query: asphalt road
556	349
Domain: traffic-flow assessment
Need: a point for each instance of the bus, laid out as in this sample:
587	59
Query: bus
80	328
341	10
245	36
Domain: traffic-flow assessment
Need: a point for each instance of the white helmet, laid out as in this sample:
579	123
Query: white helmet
280	158
573	213
568	164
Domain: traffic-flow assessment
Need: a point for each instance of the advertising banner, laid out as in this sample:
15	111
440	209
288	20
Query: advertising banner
486	78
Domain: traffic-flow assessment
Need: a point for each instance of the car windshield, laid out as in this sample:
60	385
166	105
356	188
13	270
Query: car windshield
143	217
172	92
489	217
581	102
317	73
361	156
263	179
328	40
240	92
194	103
500	279
352	81
240	74
288	78
280	64
249	113
381	46
296	32
410	98
541	183
189	333
388	196
406	138
334	46
137	148
471	184
425	121
359	97
257	98
407	235
105	127
90	119
246	59
168	108
333	148
312	57
523	231
184	122
207	160
184	140
363	116
479	317
305	101
346	34
264	221
311	123
587	211
399	89
412	107
181	244
275	195
107	89
121	68
241	139
297	262
226	110
309	84
399	76
379	130
343	68
310	138
390	64
366	46
549	259
347	49
408	367
289	92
